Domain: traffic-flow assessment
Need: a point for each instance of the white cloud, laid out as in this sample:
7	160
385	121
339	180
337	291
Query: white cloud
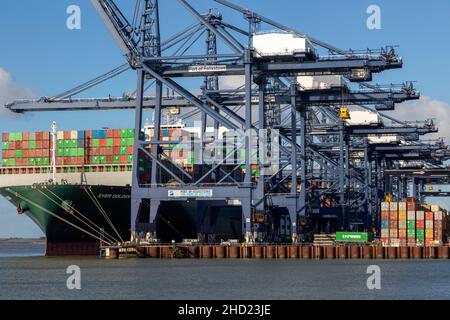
10	90
426	108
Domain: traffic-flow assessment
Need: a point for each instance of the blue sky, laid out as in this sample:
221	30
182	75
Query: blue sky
44	57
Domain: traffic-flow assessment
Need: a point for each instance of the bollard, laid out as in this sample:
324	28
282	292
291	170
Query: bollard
417	252
404	252
205	252
233	252
342	252
281	252
257	252
443	253
378	252
391	253
355	252
269	252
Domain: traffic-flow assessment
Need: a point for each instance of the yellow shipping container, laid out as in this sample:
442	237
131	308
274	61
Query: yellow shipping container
402	215
429	234
435	208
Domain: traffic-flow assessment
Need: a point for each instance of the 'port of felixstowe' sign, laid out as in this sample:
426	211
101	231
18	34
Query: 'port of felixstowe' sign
352	237
210	68
206	193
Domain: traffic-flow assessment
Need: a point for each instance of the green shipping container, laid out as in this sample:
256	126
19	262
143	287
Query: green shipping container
67	143
74	143
96	160
420	234
96	143
73	152
4	162
411	233
130	159
32	144
123	150
80	152
102	159
130	142
116	159
32	162
60	143
130	133
60	152
38	161
109	142
66	152
45	161
32	136
352	237
11	162
412	224
5	146
124	133
12	137
19	153
124	142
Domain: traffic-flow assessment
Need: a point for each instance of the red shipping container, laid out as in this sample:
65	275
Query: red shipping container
25	136
5	137
116	134
25	162
102	143
384	214
429	216
116	143
80	160
102	151
420	224
116	150
110	159
393	215
25	153
110	133
130	150
59	161
38	144
402	234
32	153
123	159
393	224
109	151
66	135
88	134
46	136
45	144
95	151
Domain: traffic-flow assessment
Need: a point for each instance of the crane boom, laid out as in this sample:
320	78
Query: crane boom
119	27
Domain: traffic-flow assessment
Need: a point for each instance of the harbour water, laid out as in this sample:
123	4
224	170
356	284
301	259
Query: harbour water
26	274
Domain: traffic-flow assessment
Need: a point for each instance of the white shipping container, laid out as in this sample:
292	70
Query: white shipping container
420	215
402	224
385	233
438	215
321	82
393	206
280	44
383	139
429	224
402	206
363	118
411	215
385	206
73	134
60	135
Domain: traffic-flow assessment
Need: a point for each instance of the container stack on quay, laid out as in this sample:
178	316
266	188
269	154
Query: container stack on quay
24	149
413	224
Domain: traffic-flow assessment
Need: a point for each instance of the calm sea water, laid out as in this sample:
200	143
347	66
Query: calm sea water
26	275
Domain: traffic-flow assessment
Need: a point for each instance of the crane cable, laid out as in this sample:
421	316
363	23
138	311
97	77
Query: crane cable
18	195
102	211
110	238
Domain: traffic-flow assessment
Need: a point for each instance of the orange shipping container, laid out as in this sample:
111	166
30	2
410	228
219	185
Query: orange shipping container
429	216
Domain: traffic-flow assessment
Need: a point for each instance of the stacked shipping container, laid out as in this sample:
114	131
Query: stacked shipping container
409	223
24	149
72	148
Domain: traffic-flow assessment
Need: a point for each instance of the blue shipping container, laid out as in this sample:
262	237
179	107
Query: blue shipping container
384	224
80	135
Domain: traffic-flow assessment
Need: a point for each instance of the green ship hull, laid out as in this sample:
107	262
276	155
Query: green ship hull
59	211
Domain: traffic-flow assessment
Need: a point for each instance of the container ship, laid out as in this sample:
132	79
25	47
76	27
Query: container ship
76	186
